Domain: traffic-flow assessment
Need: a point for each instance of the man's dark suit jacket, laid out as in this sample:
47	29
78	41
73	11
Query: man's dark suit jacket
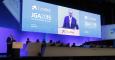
66	24
9	46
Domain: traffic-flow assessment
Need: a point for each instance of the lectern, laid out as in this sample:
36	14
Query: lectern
16	46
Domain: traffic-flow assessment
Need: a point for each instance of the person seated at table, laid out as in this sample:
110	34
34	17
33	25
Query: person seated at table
73	45
43	43
67	45
53	44
61	45
43	46
50	41
58	43
37	41
28	41
91	45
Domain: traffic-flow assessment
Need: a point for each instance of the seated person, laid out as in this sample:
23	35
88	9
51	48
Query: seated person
28	41
43	46
67	45
73	45
61	45
43	43
58	43
53	44
98	46
92	45
50	42
37	41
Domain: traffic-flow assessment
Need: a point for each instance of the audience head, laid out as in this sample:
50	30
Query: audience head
73	45
61	44
28	39
50	41
58	41
43	41
37	41
68	44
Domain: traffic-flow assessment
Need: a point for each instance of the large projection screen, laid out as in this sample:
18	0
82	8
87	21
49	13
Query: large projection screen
43	17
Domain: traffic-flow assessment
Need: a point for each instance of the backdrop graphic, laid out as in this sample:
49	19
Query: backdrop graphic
14	7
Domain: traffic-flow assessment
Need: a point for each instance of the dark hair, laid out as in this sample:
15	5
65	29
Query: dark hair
37	40
28	39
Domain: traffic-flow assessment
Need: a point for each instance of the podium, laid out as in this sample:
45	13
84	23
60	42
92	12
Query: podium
16	46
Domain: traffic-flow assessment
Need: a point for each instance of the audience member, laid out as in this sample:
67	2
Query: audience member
37	41
53	44
43	46
61	45
50	43
28	41
43	43
58	43
68	45
73	45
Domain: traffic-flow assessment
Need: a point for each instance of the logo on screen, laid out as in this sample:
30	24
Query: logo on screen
38	15
34	7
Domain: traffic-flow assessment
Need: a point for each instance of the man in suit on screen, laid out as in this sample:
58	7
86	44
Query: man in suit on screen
70	22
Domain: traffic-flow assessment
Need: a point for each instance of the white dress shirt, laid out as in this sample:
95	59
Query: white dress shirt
70	20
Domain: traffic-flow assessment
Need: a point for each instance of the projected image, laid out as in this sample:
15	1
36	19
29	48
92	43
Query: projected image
68	21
